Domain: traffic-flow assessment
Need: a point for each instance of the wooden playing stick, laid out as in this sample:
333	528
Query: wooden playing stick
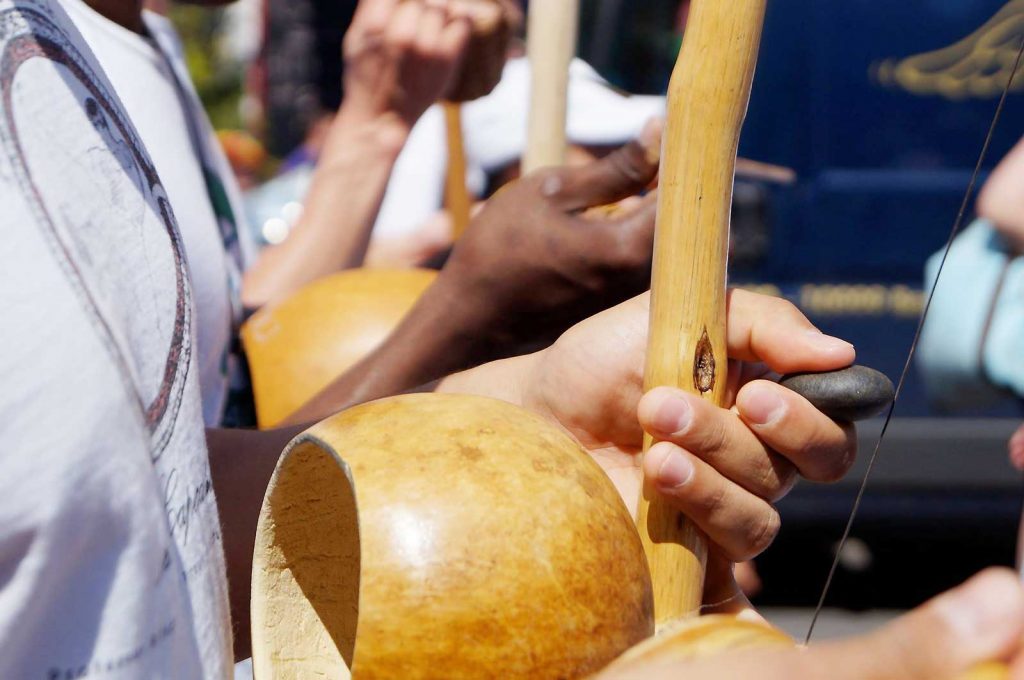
707	102
456	194
551	31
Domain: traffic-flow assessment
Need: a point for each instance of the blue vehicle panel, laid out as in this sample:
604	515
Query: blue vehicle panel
882	109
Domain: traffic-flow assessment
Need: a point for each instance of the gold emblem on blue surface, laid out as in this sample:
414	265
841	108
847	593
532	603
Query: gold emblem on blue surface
975	67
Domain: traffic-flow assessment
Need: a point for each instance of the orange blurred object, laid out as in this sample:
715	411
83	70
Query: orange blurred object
298	347
245	154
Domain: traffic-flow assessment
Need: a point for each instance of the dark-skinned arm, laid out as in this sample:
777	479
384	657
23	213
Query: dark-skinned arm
534	235
241	463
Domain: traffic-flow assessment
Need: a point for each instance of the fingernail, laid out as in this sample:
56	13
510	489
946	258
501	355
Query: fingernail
675	470
551	185
1017	457
984	605
672	415
751	616
827	343
762	405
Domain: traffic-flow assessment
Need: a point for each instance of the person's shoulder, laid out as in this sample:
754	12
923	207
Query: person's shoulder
40	31
52	93
163	31
43	18
32	9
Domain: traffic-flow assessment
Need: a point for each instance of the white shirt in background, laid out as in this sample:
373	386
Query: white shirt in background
494	133
111	562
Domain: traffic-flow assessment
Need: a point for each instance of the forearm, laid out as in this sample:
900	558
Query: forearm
241	464
1002	198
503	379
340	208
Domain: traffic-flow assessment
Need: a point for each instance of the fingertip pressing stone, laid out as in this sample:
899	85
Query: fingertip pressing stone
850	394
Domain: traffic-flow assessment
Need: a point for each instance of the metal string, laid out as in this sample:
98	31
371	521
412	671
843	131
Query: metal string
913	346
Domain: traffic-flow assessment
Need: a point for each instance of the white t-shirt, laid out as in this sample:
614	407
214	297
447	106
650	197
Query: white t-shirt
111	562
153	83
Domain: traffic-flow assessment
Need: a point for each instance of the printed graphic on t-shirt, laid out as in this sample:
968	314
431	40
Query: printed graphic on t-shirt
108	184
68	149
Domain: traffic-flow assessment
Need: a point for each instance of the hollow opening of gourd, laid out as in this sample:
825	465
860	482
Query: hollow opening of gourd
458	532
314	560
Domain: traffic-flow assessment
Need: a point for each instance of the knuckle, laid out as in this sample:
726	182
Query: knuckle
764	532
549	182
832	462
376	26
826	470
713	502
401	41
711	436
633	251
356	43
616	256
777	478
629	163
444	55
781	307
706	433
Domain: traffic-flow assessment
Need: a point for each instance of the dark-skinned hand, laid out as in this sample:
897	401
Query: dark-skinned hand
531	264
537	259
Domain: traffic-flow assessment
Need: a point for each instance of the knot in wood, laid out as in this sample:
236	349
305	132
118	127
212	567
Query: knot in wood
704	364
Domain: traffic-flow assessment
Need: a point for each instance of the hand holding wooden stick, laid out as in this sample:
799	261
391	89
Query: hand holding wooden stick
707	103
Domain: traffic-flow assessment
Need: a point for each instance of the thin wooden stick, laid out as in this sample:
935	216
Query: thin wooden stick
708	98
764	172
550	44
456	194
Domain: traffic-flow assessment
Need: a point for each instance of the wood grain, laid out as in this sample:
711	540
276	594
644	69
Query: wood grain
552	27
707	102
456	193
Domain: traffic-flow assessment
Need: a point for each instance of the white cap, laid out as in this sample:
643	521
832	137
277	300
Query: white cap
598	115
494	131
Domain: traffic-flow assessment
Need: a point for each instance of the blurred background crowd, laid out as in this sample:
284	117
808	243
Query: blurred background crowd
270	75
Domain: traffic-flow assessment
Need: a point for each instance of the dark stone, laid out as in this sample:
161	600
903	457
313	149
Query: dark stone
854	393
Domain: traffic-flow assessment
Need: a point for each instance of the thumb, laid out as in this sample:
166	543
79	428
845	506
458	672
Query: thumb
622	173
979	621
